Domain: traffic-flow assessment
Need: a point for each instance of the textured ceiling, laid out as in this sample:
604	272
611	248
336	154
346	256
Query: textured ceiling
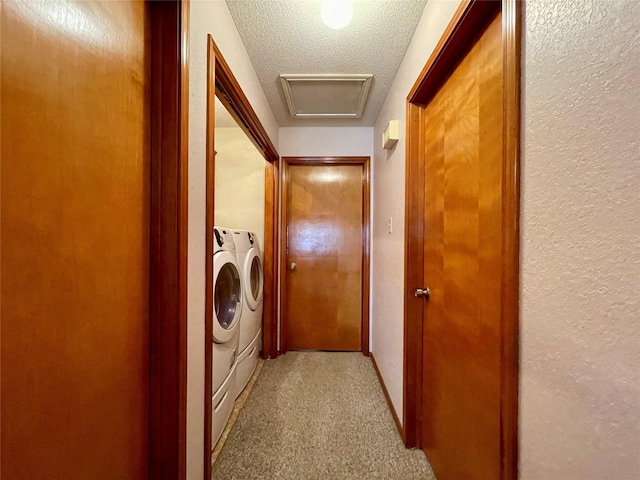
288	36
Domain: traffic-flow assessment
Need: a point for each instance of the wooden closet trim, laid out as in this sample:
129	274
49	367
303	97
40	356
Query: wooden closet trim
366	237
222	83
467	24
271	249
168	239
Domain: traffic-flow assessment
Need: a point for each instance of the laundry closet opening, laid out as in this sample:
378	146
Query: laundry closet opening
241	205
238	273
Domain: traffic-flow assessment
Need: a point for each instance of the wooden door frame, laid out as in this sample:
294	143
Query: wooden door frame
366	236
169	110
467	25
222	83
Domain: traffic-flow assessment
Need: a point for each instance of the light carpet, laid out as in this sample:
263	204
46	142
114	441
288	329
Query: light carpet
317	415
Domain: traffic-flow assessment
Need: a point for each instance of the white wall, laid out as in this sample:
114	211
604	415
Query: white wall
325	141
239	188
388	201
580	337
205	18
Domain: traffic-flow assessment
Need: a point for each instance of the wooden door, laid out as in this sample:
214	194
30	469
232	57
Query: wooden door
463	138
324	258
75	240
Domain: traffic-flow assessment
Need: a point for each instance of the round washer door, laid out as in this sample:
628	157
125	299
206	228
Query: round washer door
253	278
227	296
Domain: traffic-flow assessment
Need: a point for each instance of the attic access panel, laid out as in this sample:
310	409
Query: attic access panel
326	95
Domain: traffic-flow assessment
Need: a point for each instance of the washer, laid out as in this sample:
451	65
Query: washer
252	275
227	303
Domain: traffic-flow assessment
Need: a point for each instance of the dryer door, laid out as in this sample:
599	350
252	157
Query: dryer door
227	296
253	278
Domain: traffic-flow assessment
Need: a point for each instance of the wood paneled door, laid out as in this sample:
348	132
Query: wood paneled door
461	369
467	356
326	254
88	389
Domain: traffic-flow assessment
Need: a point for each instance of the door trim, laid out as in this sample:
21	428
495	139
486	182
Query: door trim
271	261
468	23
168	239
366	238
222	83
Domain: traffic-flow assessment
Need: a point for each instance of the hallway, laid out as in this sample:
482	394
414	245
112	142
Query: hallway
317	415
112	158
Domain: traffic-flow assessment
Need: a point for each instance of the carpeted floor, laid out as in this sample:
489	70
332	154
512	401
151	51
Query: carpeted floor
317	416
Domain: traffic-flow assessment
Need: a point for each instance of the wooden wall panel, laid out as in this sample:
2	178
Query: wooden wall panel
75	205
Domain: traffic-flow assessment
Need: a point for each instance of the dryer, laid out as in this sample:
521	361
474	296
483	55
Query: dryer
227	312
252	276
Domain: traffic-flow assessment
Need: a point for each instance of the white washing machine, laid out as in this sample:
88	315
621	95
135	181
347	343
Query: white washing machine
252	276
228	304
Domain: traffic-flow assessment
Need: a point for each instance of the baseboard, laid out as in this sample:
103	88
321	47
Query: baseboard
386	395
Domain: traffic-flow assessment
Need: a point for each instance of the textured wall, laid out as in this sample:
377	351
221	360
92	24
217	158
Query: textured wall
239	189
205	18
388	201
325	141
580	382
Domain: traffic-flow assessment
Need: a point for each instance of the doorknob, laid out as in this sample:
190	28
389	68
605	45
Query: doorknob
422	292
292	266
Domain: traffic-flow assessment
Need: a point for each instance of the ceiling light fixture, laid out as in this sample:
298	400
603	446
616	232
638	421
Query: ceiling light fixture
336	14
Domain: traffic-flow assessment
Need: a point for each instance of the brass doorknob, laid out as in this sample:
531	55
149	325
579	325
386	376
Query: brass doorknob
422	292
293	266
